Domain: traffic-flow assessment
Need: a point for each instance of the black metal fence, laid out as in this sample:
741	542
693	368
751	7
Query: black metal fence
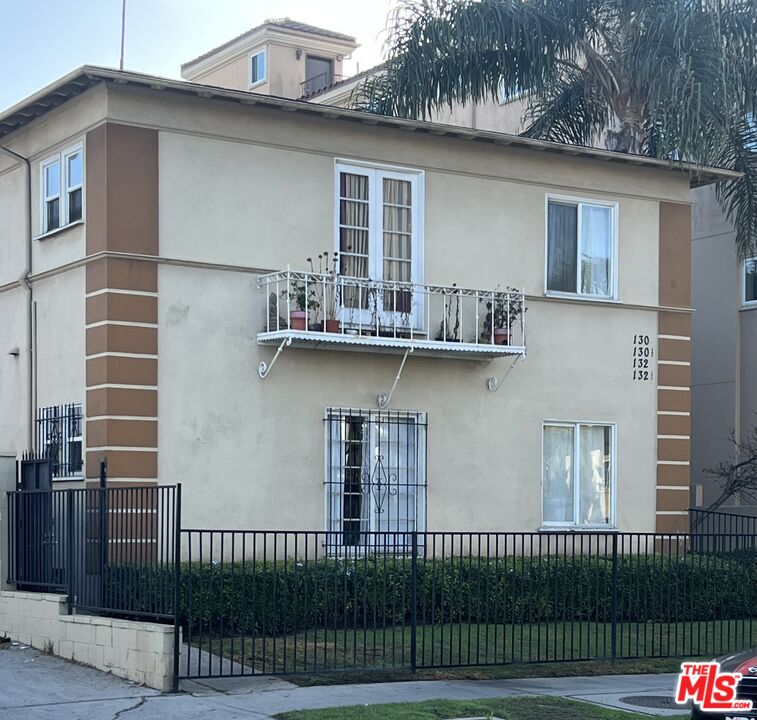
278	602
110	549
713	522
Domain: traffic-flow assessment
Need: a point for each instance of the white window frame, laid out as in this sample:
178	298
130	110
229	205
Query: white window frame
68	188
576	426
421	474
579	202
63	195
377	172
744	301
252	82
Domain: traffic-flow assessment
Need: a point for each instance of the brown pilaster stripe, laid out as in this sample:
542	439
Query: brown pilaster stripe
674	369
122	304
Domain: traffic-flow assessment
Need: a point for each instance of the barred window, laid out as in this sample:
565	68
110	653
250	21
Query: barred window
375	477
59	437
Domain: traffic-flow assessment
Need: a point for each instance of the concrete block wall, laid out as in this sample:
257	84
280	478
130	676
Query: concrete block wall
134	650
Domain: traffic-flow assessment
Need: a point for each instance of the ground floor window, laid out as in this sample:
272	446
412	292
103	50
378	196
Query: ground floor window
59	437
375	477
578	474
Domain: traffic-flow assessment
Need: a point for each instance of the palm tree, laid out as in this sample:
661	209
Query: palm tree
672	79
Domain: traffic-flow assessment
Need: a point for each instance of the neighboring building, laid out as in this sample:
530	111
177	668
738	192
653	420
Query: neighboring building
157	308
724	347
281	57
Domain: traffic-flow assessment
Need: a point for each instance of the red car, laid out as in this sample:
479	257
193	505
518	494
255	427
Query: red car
745	663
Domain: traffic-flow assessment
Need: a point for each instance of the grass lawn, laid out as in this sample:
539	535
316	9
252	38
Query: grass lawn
520	708
443	646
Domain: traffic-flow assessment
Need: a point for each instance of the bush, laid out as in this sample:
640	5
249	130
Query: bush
287	596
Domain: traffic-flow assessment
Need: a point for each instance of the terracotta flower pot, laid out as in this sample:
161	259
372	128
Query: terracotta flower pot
501	336
333	326
298	319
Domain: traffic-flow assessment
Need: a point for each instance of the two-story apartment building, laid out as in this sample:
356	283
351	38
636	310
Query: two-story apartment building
502	343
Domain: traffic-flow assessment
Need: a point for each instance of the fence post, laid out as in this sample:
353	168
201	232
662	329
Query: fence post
177	587
414	604
70	536
103	493
614	633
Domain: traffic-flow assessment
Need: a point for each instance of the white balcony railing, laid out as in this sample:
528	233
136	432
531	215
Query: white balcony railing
313	308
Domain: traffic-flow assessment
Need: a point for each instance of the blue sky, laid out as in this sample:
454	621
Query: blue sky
40	40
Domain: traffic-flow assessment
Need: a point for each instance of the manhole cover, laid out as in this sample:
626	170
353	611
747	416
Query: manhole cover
658	702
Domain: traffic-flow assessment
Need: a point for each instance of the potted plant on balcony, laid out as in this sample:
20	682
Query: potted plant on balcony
503	308
328	265
449	331
304	296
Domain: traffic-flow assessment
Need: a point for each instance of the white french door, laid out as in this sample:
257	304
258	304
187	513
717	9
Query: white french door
378	222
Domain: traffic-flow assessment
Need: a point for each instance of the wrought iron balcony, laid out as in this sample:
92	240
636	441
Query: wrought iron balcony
319	83
333	311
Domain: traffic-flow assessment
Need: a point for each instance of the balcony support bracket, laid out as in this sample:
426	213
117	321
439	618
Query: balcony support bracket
264	368
493	384
384	399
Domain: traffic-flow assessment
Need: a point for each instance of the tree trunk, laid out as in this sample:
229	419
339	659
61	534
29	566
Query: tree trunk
627	132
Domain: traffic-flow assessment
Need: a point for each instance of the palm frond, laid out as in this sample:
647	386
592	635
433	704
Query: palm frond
570	110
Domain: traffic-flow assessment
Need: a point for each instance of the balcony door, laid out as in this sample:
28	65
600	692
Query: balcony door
379	216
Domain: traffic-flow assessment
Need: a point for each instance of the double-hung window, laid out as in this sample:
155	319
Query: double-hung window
578	481
750	281
258	67
62	189
375	478
379	227
581	247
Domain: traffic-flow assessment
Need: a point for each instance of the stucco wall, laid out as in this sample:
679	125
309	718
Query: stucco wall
58	290
251	453
60	338
724	346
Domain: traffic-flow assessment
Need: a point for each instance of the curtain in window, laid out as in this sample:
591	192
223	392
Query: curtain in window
349	456
594	474
397	239
750	280
354	224
395	464
558	474
562	233
596	249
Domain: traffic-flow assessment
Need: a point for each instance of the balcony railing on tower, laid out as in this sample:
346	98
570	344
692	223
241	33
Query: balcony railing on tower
314	308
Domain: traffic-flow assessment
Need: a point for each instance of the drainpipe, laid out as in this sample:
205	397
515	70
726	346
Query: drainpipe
24	281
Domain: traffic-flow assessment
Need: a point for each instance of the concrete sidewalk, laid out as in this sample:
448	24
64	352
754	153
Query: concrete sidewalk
34	686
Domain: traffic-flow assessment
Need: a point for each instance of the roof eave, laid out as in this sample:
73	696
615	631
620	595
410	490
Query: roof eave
87	76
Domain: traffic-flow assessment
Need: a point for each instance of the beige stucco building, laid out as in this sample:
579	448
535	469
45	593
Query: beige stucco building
158	284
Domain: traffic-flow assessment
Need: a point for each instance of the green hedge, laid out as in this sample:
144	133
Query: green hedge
282	597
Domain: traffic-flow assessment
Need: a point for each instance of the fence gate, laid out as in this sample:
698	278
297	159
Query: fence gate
36	525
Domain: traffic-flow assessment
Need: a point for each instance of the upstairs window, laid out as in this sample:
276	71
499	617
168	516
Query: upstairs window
62	189
750	280
74	183
580	248
379	217
51	195
257	67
